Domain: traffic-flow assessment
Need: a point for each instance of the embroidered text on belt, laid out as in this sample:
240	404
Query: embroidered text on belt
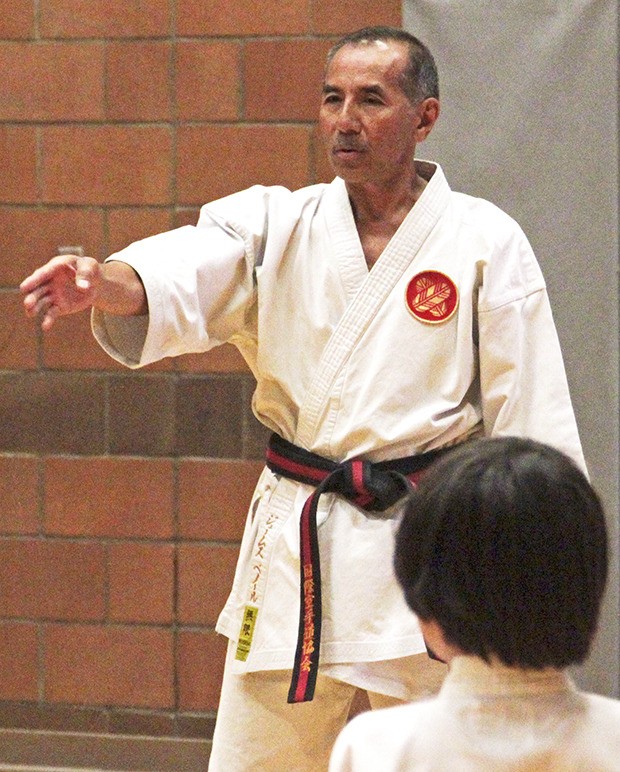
371	486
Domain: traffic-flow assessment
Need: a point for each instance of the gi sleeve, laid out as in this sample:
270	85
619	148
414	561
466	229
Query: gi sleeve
523	381
199	286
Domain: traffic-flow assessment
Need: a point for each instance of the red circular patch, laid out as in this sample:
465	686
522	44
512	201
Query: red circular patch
432	297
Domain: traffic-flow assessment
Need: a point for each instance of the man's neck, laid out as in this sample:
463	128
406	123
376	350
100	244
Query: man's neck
384	202
379	212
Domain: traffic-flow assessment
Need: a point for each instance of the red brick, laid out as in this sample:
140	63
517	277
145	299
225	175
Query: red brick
322	170
105	18
16	19
47	412
242	17
30	237
70	345
141	582
214	497
19	647
36	76
348	15
222	359
51	579
96	665
186	216
137	81
106	164
18	161
18	335
200	666
205	578
290	91
207	80
19	483
237	157
128	225
117	497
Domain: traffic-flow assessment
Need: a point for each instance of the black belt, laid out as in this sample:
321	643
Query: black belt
371	486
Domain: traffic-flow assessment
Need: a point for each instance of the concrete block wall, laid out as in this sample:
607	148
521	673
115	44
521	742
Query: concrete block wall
123	494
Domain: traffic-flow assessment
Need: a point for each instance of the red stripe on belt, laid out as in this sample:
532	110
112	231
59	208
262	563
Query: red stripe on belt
371	486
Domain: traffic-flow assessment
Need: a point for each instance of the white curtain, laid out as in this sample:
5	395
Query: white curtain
529	93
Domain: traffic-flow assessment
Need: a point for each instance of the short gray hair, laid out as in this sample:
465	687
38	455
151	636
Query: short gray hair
420	79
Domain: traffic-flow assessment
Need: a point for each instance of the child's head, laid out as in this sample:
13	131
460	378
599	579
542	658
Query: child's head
503	544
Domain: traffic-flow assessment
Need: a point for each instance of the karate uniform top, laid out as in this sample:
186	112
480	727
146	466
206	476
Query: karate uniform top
345	369
487	719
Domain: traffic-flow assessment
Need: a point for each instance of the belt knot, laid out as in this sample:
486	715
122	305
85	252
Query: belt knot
372	486
366	485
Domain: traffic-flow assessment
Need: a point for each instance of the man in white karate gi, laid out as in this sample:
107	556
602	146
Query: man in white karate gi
385	319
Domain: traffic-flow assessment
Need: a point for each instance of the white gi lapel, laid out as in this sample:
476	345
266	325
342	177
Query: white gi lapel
367	290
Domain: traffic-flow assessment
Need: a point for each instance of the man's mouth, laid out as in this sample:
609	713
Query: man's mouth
345	149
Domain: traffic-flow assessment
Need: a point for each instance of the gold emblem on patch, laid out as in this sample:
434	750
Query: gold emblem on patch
432	297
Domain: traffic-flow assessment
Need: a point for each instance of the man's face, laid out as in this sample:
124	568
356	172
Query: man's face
367	122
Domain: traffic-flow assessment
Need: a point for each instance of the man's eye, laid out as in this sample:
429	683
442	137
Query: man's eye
330	98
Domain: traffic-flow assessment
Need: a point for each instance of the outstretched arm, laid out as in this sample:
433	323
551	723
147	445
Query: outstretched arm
68	283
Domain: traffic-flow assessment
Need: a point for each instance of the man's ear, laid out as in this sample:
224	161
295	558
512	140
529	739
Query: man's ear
427	111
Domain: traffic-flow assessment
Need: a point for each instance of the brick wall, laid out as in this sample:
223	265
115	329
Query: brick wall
123	494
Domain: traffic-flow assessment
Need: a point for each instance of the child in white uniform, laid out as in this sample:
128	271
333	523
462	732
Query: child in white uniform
502	555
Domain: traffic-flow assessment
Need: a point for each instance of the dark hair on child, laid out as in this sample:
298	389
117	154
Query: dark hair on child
504	545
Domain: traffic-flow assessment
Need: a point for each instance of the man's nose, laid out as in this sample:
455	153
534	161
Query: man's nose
348	119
